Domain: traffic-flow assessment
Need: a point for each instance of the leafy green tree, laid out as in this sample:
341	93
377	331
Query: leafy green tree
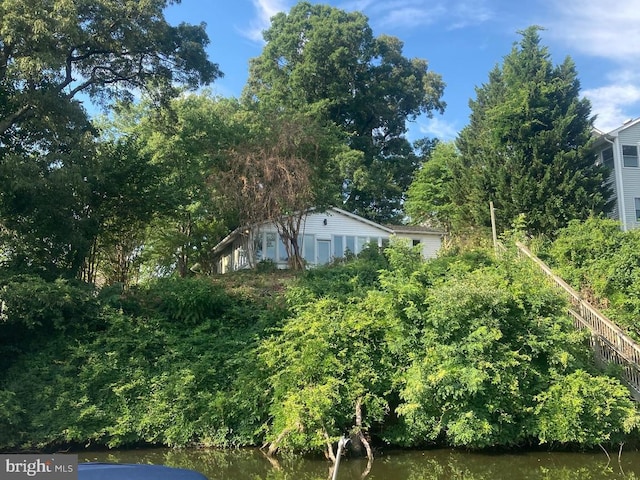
187	144
528	145
45	222
332	368
50	52
326	61
126	197
429	198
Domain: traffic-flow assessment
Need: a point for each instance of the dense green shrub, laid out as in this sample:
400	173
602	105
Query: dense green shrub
346	278
34	311
36	305
10	418
332	356
603	262
585	410
463	350
493	339
582	250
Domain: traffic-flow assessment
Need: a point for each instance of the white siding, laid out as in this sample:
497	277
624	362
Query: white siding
337	224
332	228
630	175
430	245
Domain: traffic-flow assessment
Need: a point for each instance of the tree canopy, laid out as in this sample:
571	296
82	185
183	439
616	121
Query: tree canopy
50	52
429	197
324	60
528	145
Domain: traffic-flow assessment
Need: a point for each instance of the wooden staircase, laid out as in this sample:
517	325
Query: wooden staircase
610	344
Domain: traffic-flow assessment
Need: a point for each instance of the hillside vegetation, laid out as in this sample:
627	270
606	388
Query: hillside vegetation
601	261
462	351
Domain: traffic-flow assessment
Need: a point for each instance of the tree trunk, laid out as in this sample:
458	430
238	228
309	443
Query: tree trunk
273	447
88	273
183	254
329	452
289	229
362	440
365	442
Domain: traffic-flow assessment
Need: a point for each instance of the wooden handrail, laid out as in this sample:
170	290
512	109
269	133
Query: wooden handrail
609	341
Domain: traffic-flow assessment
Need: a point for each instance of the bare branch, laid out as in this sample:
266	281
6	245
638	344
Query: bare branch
93	79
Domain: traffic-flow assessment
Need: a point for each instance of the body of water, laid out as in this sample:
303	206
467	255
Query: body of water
251	464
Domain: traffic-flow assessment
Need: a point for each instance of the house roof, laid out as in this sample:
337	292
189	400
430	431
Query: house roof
413	229
360	219
228	239
600	135
391	229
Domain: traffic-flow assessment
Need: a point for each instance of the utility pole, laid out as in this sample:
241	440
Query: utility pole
493	226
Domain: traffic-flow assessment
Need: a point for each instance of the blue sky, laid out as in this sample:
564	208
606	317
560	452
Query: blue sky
462	40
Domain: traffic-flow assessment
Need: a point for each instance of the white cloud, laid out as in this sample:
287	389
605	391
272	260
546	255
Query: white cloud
453	14
609	32
599	28
612	102
471	12
418	13
409	17
265	9
438	128
359	5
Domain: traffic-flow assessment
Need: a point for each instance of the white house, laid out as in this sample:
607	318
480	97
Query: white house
323	236
618	150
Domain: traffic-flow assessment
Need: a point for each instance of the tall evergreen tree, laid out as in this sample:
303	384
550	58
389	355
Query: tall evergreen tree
528	145
429	198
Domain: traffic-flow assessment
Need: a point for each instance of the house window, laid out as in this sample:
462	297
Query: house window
324	251
362	241
282	251
637	209
415	242
607	158
270	246
308	248
630	155
338	247
351	244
